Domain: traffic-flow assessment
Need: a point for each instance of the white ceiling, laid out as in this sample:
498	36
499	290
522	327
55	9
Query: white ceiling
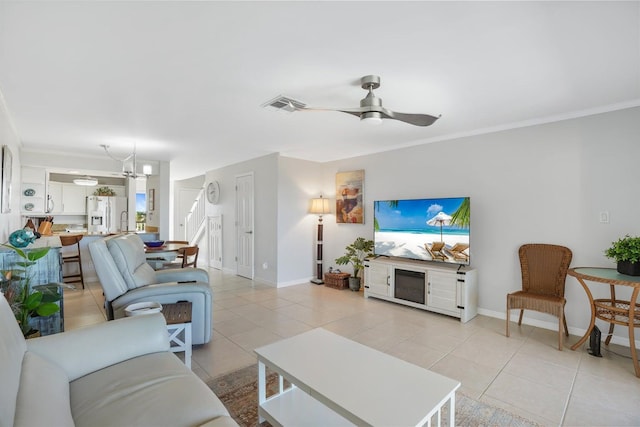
185	81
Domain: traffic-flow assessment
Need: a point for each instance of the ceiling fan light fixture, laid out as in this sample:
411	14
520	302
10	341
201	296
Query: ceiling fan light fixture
372	118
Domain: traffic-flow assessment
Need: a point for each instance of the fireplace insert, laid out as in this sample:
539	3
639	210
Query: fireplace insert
409	286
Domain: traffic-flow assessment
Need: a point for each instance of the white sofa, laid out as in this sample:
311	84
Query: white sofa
118	373
126	278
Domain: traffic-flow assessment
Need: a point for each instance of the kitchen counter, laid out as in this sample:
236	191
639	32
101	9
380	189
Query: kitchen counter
42	242
144	235
88	269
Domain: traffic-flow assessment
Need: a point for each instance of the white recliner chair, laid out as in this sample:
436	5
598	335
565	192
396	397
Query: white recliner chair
126	278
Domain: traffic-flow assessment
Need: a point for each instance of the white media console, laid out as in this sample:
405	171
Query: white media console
441	288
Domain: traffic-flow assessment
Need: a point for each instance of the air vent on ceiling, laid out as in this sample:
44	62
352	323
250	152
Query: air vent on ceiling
284	103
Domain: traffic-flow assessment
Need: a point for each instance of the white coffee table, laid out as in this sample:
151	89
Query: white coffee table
337	381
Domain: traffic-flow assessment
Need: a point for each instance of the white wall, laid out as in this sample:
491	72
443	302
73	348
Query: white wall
265	174
545	183
298	182
9	222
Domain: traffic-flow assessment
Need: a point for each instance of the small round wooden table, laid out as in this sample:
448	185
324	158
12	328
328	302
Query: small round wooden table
611	310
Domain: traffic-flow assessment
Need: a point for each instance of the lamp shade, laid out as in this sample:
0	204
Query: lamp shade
319	206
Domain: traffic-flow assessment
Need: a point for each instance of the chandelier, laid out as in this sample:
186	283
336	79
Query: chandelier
130	164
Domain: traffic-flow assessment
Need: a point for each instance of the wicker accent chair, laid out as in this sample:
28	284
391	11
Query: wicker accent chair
544	270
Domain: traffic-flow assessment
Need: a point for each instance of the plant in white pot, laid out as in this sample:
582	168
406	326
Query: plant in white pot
356	253
626	252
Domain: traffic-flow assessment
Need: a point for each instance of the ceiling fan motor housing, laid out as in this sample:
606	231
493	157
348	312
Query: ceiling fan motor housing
370	83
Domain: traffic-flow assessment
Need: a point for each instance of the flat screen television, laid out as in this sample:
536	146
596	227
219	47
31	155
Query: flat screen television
423	229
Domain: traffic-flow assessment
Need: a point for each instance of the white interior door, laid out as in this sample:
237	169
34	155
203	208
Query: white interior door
244	225
214	227
185	199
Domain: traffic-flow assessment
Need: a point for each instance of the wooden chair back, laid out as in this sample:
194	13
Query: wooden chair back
189	256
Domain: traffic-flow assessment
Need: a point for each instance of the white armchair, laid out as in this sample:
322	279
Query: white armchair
126	278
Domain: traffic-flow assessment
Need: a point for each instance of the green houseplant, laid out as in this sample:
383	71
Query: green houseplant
26	302
356	253
104	191
626	252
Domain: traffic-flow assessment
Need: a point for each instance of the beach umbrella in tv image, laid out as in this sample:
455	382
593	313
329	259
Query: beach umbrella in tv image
440	219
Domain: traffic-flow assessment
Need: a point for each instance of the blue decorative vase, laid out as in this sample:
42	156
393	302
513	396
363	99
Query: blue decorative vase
21	238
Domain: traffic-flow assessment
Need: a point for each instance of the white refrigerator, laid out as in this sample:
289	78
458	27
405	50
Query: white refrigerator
106	214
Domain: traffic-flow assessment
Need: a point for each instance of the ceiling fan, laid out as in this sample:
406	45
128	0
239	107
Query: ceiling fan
370	109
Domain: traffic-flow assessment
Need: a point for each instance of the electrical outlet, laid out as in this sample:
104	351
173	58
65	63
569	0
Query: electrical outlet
604	217
265	265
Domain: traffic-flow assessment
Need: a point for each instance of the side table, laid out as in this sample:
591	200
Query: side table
178	317
613	310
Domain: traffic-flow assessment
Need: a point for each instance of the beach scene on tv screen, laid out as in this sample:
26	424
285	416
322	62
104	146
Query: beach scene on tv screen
423	229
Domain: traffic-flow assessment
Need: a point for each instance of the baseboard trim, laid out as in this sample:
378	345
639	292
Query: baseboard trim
553	326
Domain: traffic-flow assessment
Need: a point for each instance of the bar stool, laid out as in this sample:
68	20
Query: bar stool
72	257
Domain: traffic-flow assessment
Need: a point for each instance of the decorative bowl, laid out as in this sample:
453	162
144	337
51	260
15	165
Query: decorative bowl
154	243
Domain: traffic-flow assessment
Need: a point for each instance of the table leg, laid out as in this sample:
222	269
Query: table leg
452	409
592	323
632	340
262	387
611	325
187	343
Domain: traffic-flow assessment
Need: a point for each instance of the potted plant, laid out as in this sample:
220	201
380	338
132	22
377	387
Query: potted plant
626	252
26	302
104	191
355	254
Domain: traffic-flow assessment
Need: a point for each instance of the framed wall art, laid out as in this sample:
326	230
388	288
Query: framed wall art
151	200
5	195
349	197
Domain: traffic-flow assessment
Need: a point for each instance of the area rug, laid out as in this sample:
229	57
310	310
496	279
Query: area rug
238	391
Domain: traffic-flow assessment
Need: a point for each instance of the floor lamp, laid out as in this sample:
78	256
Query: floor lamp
319	207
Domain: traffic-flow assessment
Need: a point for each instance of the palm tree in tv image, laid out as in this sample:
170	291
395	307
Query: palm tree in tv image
461	216
392	204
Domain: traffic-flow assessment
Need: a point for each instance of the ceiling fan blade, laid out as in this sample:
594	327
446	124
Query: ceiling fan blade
353	111
414	119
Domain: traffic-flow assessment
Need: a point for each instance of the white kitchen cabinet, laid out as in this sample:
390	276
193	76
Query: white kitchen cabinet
68	199
55	197
434	287
74	199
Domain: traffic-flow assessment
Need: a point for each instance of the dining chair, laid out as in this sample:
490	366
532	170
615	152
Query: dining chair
177	242
544	271
189	256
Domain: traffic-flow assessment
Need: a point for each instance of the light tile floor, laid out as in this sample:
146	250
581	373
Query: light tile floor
524	374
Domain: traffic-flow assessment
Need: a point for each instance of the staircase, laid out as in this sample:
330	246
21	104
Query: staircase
194	221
